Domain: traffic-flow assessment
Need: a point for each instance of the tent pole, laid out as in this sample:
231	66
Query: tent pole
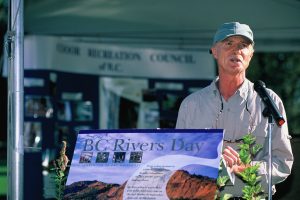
15	57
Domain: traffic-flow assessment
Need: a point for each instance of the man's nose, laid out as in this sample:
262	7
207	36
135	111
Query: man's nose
237	47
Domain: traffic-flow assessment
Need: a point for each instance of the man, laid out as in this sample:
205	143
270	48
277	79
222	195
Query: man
231	103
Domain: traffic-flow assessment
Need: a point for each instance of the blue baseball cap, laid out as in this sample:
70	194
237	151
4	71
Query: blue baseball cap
233	28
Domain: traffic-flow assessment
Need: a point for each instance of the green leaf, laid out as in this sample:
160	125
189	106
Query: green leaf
258	189
221	180
255	167
245	157
249	139
256	148
226	197
247	194
244	147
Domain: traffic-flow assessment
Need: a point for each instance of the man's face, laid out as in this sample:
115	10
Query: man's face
233	55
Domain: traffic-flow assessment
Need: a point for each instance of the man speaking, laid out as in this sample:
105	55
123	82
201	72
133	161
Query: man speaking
231	103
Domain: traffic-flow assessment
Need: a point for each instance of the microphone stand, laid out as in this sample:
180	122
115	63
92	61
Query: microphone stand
267	113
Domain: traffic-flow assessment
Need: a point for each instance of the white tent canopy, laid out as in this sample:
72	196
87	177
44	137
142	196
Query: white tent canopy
186	24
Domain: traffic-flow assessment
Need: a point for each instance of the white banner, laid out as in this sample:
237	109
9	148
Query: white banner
55	53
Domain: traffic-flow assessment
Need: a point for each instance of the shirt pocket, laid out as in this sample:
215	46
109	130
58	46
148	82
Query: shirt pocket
246	125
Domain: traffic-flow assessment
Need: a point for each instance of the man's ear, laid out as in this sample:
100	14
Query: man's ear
214	51
252	53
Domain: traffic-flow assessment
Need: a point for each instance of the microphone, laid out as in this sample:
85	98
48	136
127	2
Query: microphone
260	88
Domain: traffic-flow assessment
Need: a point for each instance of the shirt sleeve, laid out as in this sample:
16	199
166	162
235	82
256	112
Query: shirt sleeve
181	118
282	156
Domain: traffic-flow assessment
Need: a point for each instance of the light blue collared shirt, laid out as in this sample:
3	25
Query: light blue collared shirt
239	115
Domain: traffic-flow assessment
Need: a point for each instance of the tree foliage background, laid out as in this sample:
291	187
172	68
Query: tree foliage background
281	73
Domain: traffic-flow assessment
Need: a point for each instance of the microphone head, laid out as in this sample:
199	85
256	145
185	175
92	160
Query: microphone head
259	84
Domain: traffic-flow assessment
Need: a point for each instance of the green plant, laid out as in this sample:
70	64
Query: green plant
221	182
60	166
252	189
248	149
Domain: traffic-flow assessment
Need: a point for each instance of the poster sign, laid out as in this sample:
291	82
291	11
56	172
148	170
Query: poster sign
145	164
71	55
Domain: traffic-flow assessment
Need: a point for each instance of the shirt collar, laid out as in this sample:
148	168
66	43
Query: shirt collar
242	91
